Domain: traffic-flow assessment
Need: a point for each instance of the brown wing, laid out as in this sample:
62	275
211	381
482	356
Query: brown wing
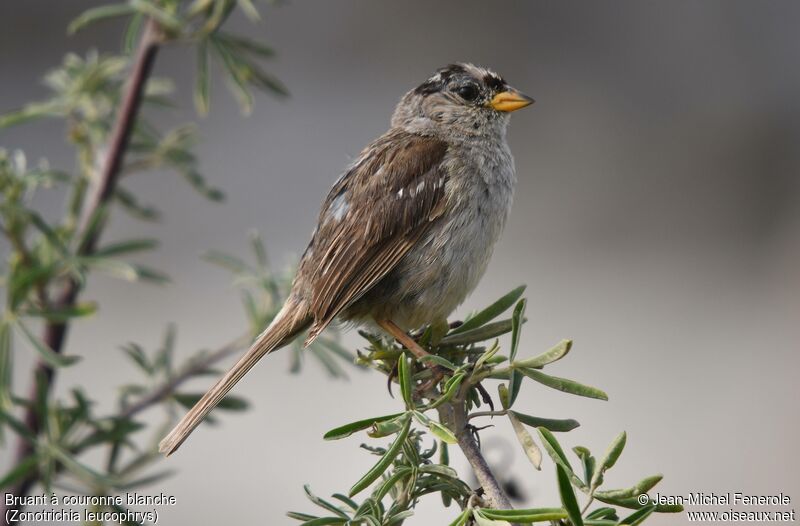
372	217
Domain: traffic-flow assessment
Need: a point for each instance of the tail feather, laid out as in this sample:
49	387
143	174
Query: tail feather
292	319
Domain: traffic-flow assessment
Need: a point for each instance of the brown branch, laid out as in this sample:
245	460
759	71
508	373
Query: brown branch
55	333
454	415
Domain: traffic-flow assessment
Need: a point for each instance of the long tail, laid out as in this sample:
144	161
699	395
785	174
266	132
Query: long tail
292	319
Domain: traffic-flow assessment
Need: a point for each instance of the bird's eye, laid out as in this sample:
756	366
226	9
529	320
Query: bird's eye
468	92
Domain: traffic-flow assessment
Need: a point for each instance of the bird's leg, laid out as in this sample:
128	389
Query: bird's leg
400	335
416	349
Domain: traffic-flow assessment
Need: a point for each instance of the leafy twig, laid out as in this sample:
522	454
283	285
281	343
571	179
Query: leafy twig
55	332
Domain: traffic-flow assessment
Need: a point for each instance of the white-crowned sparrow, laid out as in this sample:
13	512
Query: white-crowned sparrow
406	233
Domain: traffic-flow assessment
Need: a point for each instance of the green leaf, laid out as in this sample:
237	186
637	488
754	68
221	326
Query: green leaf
139	357
450	390
547	357
246	44
438	360
552	424
555	452
502	392
249	10
514	385
441	432
482	520
486	356
229	403
633	503
526	515
461	520
46	353
490	312
353	427
638	516
323	503
609	459
387	427
228	262
126	247
80	470
404	376
21	470
237	74
480	334
202	83
167	20
568	497
516	326
532	451
588	462
390	482
643	486
563	384
30	112
131	36
98	13
63	313
385	461
6	369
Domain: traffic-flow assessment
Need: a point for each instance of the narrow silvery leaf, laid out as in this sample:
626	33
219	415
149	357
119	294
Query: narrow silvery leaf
532	451
516	328
526	515
442	433
568	499
450	390
488	355
46	353
385	461
438	360
6	368
490	312
638	516
98	13
482	520
388	427
322	503
249	10
552	424
588	462
514	385
563	384
502	392
202	84
609	459
547	357
555	452
126	247
404	376
131	35
643	486
461	520
20	471
479	334
634	504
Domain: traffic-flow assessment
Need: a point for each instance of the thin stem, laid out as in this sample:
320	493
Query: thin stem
55	333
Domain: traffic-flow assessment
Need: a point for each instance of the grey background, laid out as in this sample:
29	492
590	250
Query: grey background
656	223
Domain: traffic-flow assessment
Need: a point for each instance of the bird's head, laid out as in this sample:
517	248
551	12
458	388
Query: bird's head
459	100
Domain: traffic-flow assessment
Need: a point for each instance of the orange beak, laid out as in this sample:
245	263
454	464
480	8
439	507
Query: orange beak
510	100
